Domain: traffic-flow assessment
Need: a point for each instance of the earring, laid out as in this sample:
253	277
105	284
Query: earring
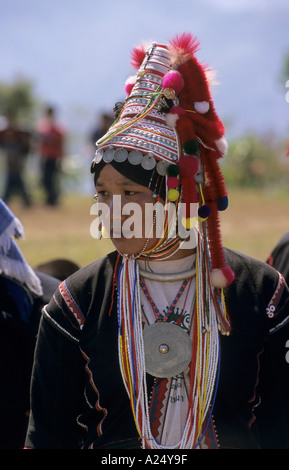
156	197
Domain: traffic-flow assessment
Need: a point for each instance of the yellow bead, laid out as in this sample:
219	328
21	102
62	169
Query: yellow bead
189	223
173	195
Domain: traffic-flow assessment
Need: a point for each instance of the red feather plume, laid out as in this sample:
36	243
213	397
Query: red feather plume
137	56
182	47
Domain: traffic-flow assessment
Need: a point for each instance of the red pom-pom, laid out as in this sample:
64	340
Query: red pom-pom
172	182
188	165
174	80
177	110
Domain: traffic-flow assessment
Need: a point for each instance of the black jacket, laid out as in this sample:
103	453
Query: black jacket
20	314
78	397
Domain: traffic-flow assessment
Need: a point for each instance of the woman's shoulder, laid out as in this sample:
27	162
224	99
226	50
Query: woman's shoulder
247	267
259	288
75	296
101	266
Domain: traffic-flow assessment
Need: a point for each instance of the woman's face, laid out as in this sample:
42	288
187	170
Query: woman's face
129	217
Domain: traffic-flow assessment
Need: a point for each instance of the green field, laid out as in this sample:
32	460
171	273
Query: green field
253	223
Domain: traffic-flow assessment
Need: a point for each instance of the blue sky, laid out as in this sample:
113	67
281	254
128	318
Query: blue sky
77	53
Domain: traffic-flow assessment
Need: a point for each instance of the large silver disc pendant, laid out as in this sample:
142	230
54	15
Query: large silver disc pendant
167	348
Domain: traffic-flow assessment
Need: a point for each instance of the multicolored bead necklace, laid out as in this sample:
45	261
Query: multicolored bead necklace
159	316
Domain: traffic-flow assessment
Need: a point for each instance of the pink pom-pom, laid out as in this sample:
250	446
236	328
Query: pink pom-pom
174	80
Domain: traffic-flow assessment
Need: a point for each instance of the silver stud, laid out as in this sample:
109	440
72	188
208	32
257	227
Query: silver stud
163	348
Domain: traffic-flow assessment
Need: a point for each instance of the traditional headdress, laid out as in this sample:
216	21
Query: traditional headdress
168	126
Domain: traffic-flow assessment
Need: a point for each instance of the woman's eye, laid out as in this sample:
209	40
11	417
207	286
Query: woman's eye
101	194
130	193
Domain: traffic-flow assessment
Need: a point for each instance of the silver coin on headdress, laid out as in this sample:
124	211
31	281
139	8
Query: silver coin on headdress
120	155
167	348
162	167
108	155
98	156
148	162
135	157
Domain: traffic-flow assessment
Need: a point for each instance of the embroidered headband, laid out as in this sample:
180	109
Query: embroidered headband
168	125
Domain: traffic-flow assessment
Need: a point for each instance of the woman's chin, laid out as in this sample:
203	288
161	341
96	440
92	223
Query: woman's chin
131	246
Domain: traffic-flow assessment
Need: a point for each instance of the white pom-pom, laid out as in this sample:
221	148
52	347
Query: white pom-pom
171	119
131	80
218	279
222	145
222	277
202	107
129	84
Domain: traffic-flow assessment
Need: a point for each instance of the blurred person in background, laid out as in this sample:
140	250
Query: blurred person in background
23	293
106	120
51	150
16	144
279	256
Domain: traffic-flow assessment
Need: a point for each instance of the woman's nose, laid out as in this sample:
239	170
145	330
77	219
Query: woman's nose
116	204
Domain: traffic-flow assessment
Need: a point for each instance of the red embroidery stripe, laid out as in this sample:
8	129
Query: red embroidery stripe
70	302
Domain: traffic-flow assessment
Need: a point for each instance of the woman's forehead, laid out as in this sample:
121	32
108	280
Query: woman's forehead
109	174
